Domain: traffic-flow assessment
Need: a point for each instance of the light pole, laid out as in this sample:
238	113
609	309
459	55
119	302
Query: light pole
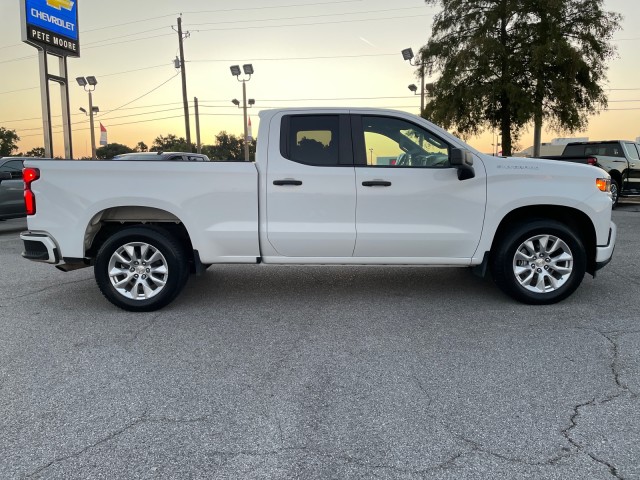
407	54
235	71
94	109
89	85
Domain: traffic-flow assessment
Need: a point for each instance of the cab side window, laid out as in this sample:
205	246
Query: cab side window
393	142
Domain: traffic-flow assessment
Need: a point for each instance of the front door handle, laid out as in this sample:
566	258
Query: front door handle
297	183
376	183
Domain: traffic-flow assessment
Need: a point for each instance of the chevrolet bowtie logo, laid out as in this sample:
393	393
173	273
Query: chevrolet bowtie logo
59	4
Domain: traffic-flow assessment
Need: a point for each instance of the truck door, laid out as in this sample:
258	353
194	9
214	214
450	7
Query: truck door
410	203
311	195
633	176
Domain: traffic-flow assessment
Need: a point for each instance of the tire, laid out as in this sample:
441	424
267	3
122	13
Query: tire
615	192
141	269
539	262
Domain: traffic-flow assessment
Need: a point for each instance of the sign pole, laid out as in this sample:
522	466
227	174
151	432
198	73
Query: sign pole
46	110
66	113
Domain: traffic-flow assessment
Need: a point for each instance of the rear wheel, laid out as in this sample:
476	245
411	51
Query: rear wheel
141	269
539	262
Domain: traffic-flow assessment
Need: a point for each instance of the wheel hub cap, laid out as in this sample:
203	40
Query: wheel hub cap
542	263
138	271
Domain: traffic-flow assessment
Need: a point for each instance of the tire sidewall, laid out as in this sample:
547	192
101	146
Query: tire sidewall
614	184
503	263
163	242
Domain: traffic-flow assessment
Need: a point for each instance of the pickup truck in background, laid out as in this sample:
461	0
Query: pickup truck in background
11	188
329	186
619	158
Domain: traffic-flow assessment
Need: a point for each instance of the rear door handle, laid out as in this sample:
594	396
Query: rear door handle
376	183
297	183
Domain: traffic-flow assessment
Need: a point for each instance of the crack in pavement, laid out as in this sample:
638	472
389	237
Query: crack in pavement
580	448
622	388
144	328
144	418
44	289
478	447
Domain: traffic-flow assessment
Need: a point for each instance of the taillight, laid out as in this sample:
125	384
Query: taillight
30	175
592	160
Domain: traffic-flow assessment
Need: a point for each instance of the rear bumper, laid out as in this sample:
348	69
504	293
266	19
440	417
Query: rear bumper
605	254
40	247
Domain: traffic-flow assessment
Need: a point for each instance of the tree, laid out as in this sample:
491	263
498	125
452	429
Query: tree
35	152
142	147
171	143
503	62
8	142
111	150
228	147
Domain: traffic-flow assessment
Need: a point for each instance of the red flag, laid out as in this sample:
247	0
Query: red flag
103	135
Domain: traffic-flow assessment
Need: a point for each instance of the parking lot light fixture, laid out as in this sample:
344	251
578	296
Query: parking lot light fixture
407	54
89	85
248	71
413	88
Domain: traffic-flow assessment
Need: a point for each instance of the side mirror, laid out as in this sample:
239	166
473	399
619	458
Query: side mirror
463	161
5	176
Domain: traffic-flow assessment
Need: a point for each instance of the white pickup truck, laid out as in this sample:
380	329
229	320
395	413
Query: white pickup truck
329	186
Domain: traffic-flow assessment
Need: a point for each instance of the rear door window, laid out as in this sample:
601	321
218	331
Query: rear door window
632	153
312	140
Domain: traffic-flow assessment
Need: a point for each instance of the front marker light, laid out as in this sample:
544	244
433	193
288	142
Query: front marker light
603	184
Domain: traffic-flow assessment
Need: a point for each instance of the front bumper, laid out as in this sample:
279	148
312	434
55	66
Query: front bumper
605	254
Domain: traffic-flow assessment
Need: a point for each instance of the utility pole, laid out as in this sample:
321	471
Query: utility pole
198	144
181	37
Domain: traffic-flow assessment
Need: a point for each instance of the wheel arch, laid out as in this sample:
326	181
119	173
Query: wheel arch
110	220
575	219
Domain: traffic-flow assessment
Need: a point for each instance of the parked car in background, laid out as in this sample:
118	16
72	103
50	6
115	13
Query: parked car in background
11	188
163	156
619	158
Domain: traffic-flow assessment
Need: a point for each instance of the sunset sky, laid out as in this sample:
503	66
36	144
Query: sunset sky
304	52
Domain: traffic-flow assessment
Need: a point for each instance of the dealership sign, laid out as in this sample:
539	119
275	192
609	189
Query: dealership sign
51	25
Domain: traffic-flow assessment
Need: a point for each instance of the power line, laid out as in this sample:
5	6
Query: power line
143	95
278	59
100	75
333	22
342	2
305	16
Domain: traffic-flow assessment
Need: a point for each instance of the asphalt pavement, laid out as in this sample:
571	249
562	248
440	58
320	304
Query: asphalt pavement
268	372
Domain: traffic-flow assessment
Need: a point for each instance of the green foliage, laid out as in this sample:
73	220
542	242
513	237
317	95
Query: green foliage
35	152
141	147
8	142
501	62
228	147
171	143
111	150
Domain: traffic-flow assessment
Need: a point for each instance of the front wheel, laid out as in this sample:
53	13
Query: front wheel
141	269
539	262
615	192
